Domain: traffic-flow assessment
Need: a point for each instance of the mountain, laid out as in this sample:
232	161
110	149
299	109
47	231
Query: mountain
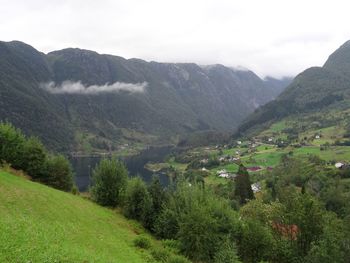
79	100
317	89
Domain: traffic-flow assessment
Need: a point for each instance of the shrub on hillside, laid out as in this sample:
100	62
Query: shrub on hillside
59	173
34	158
138	202
142	242
160	254
11	145
109	180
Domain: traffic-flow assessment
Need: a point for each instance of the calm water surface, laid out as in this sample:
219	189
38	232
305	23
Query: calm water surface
83	166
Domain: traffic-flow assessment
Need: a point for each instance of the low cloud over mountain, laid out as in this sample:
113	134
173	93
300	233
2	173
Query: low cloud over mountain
70	87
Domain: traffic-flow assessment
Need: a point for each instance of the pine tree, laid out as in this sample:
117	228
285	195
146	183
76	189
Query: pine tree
243	190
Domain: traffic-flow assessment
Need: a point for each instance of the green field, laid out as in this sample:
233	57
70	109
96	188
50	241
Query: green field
41	224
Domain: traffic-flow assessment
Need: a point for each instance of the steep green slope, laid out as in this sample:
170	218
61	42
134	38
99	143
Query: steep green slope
40	224
313	90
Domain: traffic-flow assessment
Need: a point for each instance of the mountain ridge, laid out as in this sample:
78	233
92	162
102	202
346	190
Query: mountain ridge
314	89
180	98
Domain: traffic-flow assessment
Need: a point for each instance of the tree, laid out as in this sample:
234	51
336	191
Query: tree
109	180
243	190
256	242
198	234
34	158
158	198
11	145
332	245
138	201
227	253
59	173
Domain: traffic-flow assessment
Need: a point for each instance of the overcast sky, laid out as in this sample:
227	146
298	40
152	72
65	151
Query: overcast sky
270	37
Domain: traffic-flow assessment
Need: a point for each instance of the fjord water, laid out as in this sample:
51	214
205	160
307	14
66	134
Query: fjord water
83	166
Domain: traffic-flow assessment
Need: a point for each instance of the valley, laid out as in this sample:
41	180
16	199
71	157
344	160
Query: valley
210	168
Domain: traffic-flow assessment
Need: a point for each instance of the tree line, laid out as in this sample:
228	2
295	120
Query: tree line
30	155
289	223
303	216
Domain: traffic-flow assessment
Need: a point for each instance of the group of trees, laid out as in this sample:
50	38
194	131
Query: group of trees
302	216
289	223
30	156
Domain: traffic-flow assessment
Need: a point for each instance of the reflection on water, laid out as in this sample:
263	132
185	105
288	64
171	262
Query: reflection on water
83	166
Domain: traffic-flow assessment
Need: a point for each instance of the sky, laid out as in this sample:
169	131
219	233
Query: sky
271	37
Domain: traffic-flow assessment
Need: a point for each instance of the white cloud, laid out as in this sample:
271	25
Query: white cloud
270	37
70	87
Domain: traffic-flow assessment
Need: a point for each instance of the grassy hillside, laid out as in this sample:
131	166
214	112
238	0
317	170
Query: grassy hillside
40	224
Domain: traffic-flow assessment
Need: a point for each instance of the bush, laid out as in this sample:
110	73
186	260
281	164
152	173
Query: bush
33	158
172	244
160	254
59	173
75	190
138	201
109	180
11	145
142	242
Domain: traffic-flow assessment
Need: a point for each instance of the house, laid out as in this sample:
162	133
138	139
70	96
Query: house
317	137
254	168
222	159
204	169
270	139
256	187
339	165
221	171
239	142
224	175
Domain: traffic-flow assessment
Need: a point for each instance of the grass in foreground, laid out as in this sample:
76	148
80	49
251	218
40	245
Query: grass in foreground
41	224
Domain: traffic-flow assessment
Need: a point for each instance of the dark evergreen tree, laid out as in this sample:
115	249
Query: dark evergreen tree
243	190
158	198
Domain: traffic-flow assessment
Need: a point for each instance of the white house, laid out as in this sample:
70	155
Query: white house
224	175
239	142
256	187
223	171
339	165
270	139
317	136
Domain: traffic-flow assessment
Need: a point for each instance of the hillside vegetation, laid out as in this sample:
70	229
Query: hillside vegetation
316	89
41	224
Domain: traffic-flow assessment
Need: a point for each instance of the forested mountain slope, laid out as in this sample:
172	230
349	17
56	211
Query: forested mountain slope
316	89
72	98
